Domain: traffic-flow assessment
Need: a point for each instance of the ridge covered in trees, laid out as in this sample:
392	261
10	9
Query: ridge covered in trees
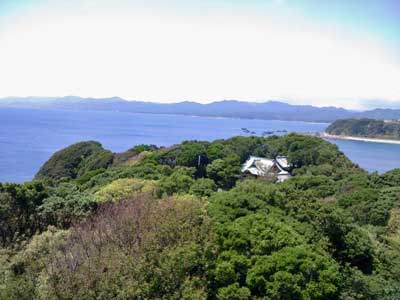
369	128
183	223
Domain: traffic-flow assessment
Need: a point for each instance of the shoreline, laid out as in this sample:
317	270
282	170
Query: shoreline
359	139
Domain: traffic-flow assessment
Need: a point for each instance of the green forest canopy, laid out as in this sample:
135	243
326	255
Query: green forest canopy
366	128
160	223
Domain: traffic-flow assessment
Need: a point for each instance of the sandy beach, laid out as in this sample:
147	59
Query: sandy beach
361	139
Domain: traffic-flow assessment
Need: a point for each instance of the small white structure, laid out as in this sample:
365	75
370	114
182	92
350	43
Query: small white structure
264	167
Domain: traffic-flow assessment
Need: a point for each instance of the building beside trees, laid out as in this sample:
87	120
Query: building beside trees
278	168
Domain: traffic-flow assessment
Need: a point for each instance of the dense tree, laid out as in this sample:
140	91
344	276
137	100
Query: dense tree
137	249
225	172
188	154
75	161
179	182
295	273
18	210
65	205
365	128
392	178
183	223
125	188
203	187
133	154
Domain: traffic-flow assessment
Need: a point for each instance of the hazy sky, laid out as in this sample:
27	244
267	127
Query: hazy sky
343	52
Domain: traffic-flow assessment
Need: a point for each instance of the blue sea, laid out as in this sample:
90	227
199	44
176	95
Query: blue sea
28	137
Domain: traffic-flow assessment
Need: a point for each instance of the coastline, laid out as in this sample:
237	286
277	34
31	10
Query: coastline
359	139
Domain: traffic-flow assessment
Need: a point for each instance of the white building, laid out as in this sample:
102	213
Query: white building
265	167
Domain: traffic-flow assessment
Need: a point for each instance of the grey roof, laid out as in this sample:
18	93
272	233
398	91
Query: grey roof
260	166
283	162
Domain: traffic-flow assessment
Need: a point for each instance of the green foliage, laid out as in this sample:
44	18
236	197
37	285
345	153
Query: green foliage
88	176
188	154
234	292
179	182
142	148
227	206
65	205
371	206
304	151
225	171
254	222
103	258
265	252
241	146
22	274
132	155
365	128
125	188
18	210
295	273
147	169
203	187
392	178
75	161
182	223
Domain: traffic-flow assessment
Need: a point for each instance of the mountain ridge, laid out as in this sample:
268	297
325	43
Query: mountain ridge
271	110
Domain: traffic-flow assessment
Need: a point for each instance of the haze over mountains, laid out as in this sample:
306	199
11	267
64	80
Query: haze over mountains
271	110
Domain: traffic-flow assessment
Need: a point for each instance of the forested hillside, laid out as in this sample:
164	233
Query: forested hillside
183	223
366	128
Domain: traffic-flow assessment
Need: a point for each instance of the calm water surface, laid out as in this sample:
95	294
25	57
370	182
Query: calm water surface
29	137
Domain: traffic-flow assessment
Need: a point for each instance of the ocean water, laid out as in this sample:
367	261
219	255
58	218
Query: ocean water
29	137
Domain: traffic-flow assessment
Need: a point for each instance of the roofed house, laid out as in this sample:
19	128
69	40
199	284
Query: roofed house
267	168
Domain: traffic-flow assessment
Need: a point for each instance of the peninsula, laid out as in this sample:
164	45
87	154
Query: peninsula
368	130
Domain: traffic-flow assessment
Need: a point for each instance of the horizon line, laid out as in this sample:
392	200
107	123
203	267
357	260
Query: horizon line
282	101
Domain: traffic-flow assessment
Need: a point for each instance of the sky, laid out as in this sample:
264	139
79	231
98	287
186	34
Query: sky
325	53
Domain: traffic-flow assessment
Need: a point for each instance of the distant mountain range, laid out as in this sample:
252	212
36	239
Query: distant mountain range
271	110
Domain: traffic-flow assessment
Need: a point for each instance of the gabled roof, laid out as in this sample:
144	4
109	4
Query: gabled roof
283	162
260	166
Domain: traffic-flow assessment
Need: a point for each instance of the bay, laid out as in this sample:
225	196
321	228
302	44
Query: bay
28	137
